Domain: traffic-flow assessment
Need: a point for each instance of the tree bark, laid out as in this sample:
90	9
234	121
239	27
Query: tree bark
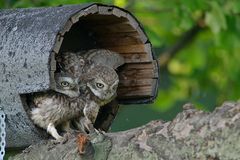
193	134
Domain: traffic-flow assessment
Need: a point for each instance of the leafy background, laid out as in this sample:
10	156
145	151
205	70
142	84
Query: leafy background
205	71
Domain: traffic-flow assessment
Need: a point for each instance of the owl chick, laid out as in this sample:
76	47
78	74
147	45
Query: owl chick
94	89
81	62
72	62
102	57
100	88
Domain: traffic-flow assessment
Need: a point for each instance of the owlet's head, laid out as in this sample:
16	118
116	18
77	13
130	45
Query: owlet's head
102	82
67	84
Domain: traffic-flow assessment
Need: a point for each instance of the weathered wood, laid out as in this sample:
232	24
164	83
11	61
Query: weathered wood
134	53
89	10
52	80
119	34
156	69
66	28
58	43
143	36
128	48
53	62
119	13
114	28
135	92
129	84
136	57
103	10
121	41
132	89
132	21
96	19
136	71
148	50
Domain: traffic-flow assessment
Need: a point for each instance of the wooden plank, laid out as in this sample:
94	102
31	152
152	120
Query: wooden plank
134	83
53	63
136	57
119	13
155	68
132	21
133	49
105	10
134	53
138	71
90	10
128	48
119	41
140	88
114	28
148	49
119	34
142	35
147	65
66	28
58	43
126	93
52	80
96	19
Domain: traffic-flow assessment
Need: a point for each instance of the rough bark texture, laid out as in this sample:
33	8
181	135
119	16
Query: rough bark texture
193	134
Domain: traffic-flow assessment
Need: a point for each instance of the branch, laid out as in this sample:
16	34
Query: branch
193	134
182	42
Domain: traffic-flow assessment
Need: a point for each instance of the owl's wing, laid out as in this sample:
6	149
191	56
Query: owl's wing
44	99
104	57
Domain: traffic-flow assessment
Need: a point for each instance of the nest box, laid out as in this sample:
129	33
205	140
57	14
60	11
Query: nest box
30	39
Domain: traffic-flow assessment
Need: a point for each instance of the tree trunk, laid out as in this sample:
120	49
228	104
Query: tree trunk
193	134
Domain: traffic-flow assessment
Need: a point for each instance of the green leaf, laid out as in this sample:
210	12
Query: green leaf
215	18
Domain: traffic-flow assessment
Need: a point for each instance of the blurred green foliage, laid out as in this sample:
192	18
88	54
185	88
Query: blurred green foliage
205	73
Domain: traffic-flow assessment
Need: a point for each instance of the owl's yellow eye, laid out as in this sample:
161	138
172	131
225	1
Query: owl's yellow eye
65	84
100	85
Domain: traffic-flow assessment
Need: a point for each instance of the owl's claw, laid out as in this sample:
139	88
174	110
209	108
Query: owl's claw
61	140
54	142
97	136
58	141
101	131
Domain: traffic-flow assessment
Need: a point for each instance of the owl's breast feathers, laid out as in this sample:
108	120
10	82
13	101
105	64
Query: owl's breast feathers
55	108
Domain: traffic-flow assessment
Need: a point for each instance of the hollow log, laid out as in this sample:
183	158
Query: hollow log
32	37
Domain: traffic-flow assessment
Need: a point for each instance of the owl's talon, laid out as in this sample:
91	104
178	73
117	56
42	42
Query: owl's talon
65	138
99	131
97	136
58	141
102	131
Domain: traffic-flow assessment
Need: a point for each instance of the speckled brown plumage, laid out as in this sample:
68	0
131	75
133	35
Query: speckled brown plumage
52	108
